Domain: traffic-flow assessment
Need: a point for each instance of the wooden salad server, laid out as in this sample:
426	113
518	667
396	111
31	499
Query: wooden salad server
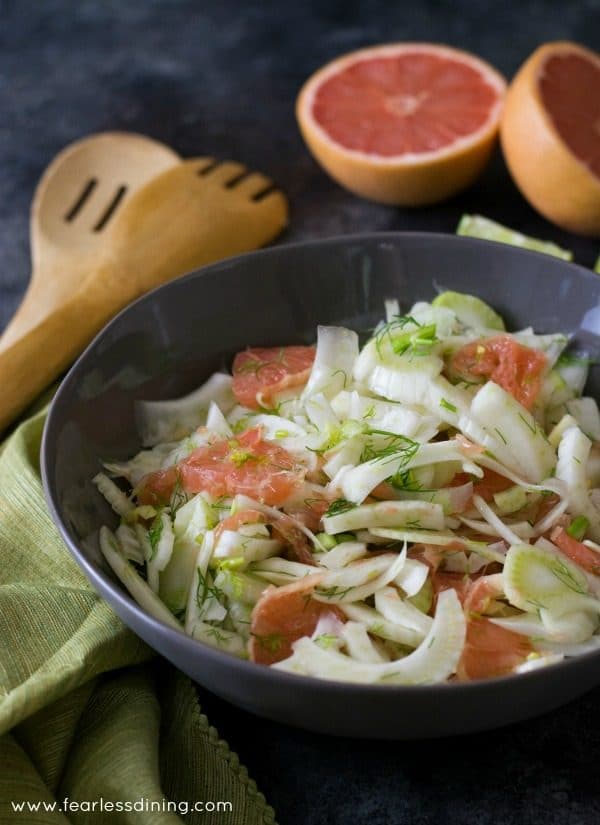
192	214
78	196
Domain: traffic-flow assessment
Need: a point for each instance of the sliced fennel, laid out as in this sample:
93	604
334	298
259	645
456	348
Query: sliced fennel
138	588
359	580
573	454
540	581
337	351
471	311
117	499
411	514
523	441
434	660
171	420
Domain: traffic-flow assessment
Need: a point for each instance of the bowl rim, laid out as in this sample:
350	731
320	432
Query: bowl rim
105	583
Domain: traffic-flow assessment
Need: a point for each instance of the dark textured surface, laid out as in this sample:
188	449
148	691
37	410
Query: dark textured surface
221	78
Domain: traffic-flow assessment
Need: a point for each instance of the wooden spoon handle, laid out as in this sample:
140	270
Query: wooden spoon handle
28	313
32	362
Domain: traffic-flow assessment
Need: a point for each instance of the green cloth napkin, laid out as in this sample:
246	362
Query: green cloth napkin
86	713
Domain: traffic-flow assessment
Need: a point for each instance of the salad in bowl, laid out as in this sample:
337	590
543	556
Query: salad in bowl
419	508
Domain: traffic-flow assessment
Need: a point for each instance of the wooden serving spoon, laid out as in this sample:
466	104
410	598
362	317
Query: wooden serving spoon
77	197
194	213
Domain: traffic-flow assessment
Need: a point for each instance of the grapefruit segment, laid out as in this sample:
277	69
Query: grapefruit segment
491	651
262	372
514	367
246	465
550	134
284	614
406	123
577	551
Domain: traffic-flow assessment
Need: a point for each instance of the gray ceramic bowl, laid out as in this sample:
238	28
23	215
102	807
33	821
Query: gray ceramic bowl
165	344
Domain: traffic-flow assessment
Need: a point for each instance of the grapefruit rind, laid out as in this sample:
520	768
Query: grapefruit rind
550	177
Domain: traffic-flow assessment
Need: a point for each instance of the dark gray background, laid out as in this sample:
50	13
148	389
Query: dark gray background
220	78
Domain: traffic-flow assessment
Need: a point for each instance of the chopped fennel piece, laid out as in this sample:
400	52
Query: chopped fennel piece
578	624
202	597
192	520
337	351
386	415
216	421
540	581
376	625
495	522
240	616
412	577
395	609
566	630
357	482
321	414
280	571
359	580
585	411
551	345
411	514
136	586
342	554
359	644
459	562
536	662
547	485
573	371
171	420
220	638
526	442
471	311
573	454
182	449
117	499
565	423
232	544
195	516
161	539
550	519
129	544
286	433
240	586
146	461
451	499
441	539
569	648
476	226
511	500
434	660
418	387
346	455
522	530
442	318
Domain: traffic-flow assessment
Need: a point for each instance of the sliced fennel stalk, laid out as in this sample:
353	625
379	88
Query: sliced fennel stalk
434	660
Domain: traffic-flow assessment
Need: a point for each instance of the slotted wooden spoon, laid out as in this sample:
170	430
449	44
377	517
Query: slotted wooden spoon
77	197
192	214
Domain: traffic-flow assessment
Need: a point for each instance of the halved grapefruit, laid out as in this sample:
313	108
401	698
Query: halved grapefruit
406	123
550	135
